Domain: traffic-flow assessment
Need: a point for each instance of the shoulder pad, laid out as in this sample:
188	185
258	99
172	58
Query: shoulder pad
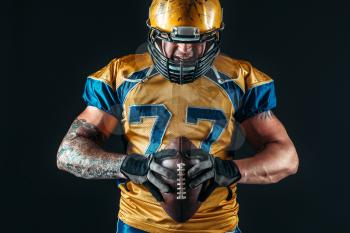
241	72
130	65
120	69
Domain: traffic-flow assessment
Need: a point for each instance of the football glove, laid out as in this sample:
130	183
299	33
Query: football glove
217	172
141	170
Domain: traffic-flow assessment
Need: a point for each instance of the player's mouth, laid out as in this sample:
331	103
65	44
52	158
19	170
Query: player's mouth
184	58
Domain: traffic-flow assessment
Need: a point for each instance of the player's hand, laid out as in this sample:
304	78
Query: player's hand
141	170
220	173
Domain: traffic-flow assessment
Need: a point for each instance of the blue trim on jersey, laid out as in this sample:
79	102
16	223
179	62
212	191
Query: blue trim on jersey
125	228
162	115
234	92
120	181
100	95
217	116
258	99
124	89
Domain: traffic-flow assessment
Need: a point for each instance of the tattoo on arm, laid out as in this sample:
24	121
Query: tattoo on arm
80	153
265	115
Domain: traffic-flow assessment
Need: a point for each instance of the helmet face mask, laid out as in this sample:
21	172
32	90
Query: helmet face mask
184	22
183	71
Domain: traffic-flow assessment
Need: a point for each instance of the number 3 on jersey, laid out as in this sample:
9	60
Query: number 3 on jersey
163	116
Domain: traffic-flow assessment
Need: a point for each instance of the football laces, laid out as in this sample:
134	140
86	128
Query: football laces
181	181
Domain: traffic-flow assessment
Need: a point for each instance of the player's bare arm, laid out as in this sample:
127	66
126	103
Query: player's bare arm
276	156
80	152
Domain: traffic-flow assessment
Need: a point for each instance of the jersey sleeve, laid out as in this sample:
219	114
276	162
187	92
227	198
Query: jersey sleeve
259	94
100	90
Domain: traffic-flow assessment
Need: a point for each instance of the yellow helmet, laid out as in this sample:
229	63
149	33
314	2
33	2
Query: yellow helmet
205	15
184	21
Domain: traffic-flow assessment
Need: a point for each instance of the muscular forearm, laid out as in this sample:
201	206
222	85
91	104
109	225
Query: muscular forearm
80	153
276	161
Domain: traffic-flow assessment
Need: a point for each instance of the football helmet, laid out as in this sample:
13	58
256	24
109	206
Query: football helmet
184	21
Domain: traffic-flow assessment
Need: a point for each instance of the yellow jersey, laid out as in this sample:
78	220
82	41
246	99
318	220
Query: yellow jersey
153	110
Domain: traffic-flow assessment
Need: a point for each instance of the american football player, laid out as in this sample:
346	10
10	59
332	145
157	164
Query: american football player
182	86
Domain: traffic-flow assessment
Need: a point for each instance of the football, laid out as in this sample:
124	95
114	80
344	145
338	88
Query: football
181	204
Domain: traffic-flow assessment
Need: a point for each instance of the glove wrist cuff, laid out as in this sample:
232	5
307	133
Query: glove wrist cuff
135	164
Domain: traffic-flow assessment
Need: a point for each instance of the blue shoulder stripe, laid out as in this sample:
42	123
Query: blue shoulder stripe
101	95
258	99
234	92
124	89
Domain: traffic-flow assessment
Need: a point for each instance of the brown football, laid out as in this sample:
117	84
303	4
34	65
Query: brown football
181	204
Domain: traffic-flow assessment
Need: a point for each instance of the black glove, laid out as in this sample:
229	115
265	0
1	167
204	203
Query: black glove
140	170
219	173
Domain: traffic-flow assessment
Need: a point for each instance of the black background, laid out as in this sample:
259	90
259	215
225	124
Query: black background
51	46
